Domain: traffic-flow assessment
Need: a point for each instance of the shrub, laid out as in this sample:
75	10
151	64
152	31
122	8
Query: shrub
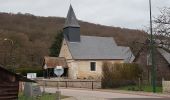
24	71
115	75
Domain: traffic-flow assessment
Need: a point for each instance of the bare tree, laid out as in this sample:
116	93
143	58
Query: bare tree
162	28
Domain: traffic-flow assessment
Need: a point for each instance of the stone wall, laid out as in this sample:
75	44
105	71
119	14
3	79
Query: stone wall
64	52
166	86
84	71
71	83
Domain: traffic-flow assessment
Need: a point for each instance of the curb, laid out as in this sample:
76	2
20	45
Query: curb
136	93
126	92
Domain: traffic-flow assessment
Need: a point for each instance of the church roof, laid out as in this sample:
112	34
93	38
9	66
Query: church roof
71	20
96	48
127	54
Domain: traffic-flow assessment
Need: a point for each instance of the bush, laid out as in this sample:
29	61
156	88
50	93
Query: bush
115	75
24	71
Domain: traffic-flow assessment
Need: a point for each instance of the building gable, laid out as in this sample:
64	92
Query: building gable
65	52
162	65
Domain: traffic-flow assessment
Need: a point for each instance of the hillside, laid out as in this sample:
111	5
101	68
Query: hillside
33	35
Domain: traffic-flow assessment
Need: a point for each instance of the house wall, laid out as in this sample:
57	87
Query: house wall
64	52
142	61
83	71
9	86
80	69
162	67
72	69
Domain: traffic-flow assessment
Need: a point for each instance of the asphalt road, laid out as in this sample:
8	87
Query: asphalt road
80	94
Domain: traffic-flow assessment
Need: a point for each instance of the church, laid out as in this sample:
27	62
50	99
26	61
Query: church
85	54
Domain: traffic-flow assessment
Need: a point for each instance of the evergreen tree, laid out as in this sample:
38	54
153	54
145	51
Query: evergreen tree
56	46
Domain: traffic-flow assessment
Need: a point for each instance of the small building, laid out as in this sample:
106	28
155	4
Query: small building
86	54
9	84
162	63
51	62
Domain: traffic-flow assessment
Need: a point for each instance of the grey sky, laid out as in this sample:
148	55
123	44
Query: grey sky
119	13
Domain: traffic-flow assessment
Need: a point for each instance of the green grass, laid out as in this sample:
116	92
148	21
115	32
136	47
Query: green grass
145	88
46	96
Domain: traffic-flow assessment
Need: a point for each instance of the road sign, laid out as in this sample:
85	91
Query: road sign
31	75
45	66
58	70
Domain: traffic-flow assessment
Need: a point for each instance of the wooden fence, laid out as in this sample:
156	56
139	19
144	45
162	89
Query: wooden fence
90	84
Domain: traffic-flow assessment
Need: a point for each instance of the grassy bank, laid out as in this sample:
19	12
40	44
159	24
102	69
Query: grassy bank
46	96
145	88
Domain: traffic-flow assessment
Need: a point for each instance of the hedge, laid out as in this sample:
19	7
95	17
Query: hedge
24	71
119	74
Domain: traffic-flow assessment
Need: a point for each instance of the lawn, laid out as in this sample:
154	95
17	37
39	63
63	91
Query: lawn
46	96
145	88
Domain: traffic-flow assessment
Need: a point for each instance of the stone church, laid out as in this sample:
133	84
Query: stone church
85	54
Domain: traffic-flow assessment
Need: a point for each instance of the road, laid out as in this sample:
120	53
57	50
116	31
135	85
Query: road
80	94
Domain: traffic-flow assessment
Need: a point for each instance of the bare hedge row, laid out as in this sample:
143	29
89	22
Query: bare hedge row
115	75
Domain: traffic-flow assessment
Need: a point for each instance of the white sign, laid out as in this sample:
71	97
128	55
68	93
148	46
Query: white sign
45	66
58	70
31	75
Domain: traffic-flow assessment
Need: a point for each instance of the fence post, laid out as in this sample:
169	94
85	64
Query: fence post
57	84
44	84
163	89
58	93
66	84
92	85
139	84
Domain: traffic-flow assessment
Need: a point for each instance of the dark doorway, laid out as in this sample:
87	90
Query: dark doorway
65	72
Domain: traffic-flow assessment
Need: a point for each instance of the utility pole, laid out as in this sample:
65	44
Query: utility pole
152	51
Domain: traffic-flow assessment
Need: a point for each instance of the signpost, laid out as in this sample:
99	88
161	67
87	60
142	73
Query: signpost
58	71
31	75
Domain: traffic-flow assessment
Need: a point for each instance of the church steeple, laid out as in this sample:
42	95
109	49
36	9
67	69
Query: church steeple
71	27
71	20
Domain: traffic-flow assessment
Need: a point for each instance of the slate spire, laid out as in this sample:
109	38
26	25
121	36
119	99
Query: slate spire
71	20
71	27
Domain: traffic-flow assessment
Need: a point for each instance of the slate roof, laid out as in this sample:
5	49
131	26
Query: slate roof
165	54
127	54
71	20
93	47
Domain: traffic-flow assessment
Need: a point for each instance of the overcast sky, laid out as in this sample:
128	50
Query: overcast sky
120	13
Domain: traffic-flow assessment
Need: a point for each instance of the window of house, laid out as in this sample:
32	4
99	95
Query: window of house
93	66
